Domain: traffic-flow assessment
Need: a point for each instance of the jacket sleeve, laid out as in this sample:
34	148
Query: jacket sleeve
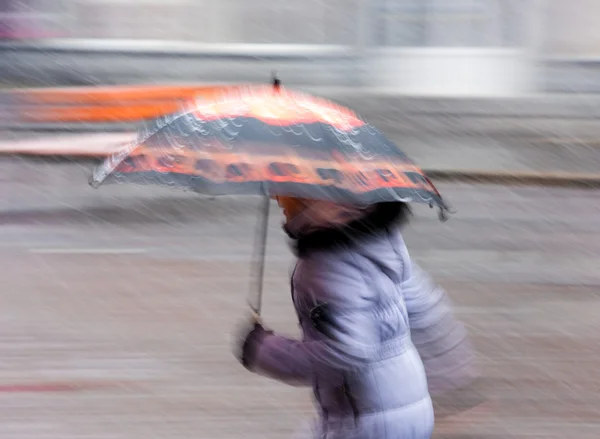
440	338
346	339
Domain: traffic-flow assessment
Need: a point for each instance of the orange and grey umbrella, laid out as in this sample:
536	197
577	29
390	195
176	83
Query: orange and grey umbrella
267	140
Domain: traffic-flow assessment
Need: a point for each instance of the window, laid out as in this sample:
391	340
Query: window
330	174
280	169
205	165
237	171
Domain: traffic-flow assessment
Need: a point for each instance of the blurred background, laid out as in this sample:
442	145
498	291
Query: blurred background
118	304
521	46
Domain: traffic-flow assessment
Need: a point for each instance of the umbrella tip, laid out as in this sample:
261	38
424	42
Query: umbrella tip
276	81
92	182
445	212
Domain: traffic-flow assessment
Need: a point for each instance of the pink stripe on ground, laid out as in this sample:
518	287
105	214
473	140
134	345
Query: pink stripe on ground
60	387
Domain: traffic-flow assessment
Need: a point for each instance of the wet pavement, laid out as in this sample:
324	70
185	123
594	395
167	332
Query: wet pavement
119	305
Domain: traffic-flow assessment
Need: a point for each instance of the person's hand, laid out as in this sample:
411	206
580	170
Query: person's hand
249	336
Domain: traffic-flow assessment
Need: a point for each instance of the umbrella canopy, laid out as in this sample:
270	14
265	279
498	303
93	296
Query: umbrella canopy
266	140
271	141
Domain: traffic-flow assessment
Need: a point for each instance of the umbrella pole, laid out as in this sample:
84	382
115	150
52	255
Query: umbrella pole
260	249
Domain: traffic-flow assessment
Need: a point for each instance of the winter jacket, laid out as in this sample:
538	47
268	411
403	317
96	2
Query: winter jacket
349	291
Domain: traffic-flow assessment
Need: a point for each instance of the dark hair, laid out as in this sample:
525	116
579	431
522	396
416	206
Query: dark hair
384	217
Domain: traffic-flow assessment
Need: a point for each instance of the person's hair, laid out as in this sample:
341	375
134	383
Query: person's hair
383	217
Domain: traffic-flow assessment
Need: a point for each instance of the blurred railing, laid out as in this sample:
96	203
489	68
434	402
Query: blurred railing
400	23
563	34
351	39
209	21
27	19
458	23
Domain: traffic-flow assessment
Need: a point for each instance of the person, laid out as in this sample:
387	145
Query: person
356	292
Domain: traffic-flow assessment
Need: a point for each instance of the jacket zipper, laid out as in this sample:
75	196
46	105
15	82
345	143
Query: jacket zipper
316	380
351	401
323	409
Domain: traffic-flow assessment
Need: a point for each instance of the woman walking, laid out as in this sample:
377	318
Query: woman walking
354	289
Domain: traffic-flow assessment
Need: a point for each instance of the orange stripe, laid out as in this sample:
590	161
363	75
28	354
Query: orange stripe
98	114
130	104
116	95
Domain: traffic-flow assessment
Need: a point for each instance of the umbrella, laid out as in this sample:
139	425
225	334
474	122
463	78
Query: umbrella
270	141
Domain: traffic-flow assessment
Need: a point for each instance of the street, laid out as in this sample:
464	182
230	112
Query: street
119	304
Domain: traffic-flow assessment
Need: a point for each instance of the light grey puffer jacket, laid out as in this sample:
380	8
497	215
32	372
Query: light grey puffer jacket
367	376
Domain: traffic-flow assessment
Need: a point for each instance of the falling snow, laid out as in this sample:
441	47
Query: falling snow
119	303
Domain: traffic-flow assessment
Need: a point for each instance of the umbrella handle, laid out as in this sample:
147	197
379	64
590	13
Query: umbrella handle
258	260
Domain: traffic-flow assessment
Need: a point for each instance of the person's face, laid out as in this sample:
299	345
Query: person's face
290	206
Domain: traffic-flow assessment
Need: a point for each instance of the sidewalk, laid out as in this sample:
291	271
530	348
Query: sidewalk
459	158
